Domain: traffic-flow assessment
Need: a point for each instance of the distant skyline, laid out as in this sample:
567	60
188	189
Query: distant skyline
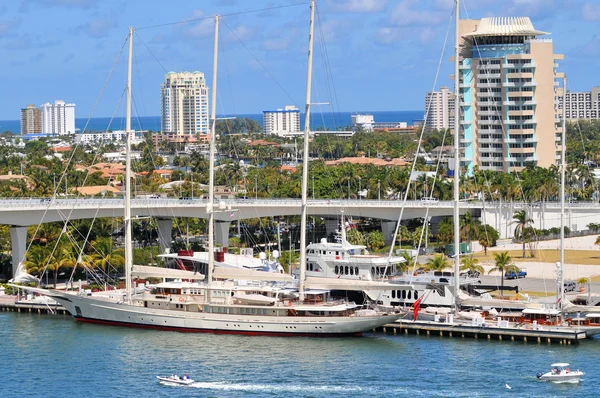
382	54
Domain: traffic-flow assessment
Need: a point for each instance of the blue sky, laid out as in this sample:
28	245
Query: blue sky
381	54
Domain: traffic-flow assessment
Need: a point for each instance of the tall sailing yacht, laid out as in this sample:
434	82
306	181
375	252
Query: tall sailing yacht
250	308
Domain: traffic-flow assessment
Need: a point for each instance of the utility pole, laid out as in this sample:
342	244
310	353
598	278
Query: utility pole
378	190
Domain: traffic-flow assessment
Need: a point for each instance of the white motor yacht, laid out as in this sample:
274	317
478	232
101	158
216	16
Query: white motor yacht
561	373
186	380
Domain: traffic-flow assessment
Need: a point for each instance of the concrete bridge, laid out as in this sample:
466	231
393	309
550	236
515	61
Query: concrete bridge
23	212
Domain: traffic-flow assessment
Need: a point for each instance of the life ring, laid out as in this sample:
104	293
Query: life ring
181	299
289	304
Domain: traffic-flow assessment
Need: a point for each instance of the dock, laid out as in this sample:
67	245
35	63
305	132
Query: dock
10	304
525	333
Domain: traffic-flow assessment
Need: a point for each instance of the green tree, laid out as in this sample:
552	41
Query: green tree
355	237
522	222
375	240
471	264
437	263
503	264
488	236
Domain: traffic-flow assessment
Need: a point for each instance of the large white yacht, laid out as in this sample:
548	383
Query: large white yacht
222	306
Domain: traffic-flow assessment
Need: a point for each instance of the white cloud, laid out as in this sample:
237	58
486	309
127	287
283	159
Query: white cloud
7	26
201	28
404	14
242	32
98	27
333	29
591	12
388	35
277	44
359	5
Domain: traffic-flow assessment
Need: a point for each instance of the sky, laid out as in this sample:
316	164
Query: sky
370	55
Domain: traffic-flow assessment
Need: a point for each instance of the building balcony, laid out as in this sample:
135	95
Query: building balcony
521	131
490	150
464	140
509	122
489	122
489	75
529	64
509	103
486	94
528	151
464	85
488	85
490	113
526	112
464	67
466	122
532	158
519	75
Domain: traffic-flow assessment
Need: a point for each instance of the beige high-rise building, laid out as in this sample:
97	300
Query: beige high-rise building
31	120
439	109
184	104
582	105
508	95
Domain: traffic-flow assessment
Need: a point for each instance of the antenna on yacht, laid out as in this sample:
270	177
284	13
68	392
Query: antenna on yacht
127	215
563	164
343	229
305	154
211	174
456	217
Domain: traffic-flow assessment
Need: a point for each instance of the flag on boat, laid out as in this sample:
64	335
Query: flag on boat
231	214
416	308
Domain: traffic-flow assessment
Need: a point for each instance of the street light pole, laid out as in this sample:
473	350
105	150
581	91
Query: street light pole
53	184
378	190
359	189
256	187
313	190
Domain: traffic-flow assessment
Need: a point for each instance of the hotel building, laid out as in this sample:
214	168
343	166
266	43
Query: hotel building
509	113
582	105
58	118
282	122
439	109
31	120
184	105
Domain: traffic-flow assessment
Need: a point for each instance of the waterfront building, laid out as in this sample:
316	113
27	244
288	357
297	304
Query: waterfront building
508	95
109	136
439	109
31	120
582	105
282	122
58	118
184	105
367	123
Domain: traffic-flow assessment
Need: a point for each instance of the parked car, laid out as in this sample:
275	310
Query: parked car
515	275
569	286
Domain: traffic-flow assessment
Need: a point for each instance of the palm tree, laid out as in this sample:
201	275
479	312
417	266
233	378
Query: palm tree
503	264
105	255
409	262
522	223
437	263
597	240
471	264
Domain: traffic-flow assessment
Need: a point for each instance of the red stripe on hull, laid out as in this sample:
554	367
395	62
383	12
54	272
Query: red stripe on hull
214	331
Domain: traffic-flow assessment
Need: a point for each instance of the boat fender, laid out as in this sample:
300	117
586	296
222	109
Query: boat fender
181	299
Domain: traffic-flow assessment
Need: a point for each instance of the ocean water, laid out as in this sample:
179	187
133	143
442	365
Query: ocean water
54	356
327	121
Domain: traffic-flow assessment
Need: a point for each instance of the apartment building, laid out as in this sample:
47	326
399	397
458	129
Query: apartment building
509	114
282	122
31	120
58	118
439	109
184	105
582	105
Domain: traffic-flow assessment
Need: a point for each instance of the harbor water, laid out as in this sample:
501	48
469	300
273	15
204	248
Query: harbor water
324	120
54	356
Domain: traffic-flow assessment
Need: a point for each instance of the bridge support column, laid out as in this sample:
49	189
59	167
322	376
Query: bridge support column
18	243
387	229
331	225
165	229
222	233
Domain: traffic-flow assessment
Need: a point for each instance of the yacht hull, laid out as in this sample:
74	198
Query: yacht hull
92	310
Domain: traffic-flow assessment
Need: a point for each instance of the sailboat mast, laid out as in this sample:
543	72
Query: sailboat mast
456	157
127	218
305	154
563	165
211	178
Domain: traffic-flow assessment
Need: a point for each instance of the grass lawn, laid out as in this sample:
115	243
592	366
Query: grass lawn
582	257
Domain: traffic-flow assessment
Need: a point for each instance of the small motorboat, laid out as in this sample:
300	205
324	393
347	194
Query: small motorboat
186	380
561	373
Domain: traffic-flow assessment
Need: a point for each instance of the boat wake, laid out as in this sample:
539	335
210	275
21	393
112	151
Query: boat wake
223	386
